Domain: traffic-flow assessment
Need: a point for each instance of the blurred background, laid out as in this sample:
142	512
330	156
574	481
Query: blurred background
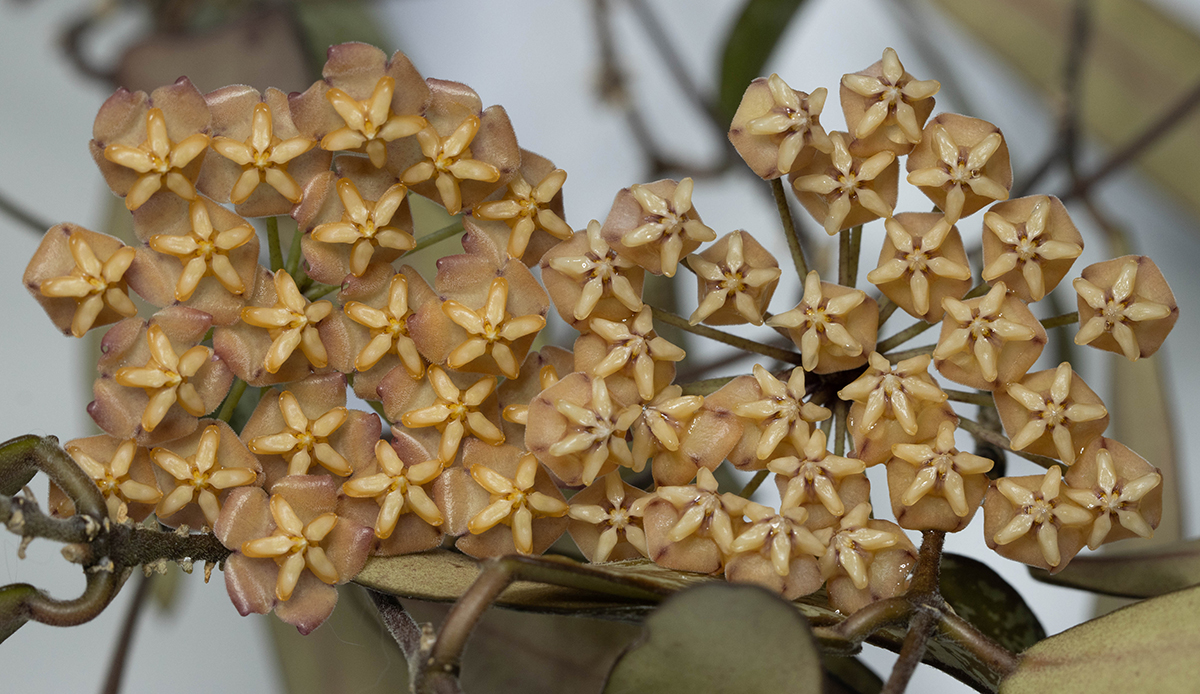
615	92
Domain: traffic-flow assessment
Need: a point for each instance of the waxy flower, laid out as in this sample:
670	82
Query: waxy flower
885	106
522	497
577	427
961	164
777	129
823	484
367	226
896	392
606	522
143	143
165	378
532	203
921	263
834	326
688	528
1031	520
78	277
291	323
1111	480
654	225
203	252
121	469
841	191
865	560
455	412
989	341
491	330
201	469
1051	413
933	485
398	488
775	550
781	413
586	278
633	343
1029	244
1125	306
290	549
737	278
264	162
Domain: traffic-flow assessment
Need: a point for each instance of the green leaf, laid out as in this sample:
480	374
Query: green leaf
1144	573
979	595
1150	646
849	675
748	46
17	466
327	24
721	638
13	612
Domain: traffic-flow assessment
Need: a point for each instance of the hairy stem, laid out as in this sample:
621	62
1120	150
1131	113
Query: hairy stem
728	338
231	400
448	231
789	227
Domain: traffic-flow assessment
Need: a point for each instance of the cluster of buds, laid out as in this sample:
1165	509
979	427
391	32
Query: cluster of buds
484	432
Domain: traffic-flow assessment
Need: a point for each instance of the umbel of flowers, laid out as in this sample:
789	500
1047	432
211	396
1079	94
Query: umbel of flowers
484	432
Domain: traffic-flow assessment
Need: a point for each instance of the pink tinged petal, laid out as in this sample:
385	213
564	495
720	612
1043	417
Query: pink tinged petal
1032	431
1100	529
176	500
1017	528
1047	536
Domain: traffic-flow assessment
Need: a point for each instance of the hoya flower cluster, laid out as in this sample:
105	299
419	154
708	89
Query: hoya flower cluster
485	431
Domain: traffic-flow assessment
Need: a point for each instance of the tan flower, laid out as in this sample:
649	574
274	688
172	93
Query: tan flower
291	323
527	207
834	326
121	469
933	485
606	521
455	413
776	128
201	468
635	343
921	263
865	560
688	527
165	378
365	224
541	370
519	499
1029	244
885	106
654	225
304	439
893	392
1125	306
398	488
841	191
491	330
821	483
449	161
389	332
203	254
370	122
776	550
737	278
782	413
989	341
1051	413
578	427
586	278
78	276
961	164
1111	480
158	161
1030	520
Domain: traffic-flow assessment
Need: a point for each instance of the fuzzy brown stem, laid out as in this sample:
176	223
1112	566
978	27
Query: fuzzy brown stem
920	627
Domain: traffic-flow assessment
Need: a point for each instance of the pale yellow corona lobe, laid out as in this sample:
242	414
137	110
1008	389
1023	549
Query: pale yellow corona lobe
200	477
455	413
491	330
526	208
389	330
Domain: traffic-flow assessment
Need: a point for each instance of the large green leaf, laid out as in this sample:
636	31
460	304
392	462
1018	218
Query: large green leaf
1143	573
1140	60
748	46
1150	646
979	595
721	638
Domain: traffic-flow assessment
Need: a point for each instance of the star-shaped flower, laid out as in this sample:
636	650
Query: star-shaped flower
612	506
783	412
634	342
202	255
165	378
398	489
1028	247
815	477
597	433
1116	492
294	546
973	159
492	330
200	477
389	331
825	322
663	421
1055	411
525	208
1040	513
370	123
670	224
94	285
733	279
782	534
115	476
455	413
701	510
292	323
793	117
263	157
930	270
975	334
598	272
940	471
844	188
1117	310
449	160
514	502
851	548
158	161
890	98
893	392
304	439
365	224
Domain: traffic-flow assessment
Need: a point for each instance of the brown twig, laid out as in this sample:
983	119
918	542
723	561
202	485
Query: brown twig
789	227
116	666
995	438
742	343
